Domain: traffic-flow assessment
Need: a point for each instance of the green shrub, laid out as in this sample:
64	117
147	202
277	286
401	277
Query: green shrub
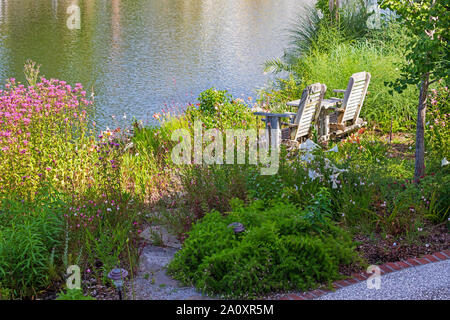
73	294
30	242
219	110
282	248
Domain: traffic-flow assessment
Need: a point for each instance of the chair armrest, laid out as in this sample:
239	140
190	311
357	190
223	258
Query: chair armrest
294	103
339	90
278	115
289	124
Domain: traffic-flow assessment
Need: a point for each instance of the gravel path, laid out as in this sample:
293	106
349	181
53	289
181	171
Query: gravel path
426	282
153	283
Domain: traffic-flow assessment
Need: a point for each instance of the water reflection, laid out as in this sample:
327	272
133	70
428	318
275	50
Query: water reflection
144	55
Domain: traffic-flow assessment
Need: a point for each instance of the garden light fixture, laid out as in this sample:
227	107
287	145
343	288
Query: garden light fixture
237	227
117	275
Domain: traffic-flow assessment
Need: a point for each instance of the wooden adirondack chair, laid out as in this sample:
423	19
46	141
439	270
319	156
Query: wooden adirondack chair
308	108
345	117
299	125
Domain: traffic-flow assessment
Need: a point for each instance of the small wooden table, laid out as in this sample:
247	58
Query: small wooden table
273	125
323	125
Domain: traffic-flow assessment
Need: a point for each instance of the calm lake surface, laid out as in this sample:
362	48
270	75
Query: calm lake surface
143	56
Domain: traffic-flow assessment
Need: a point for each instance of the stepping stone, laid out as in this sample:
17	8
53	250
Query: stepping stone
167	239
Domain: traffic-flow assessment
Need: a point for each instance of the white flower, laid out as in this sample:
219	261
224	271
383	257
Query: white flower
128	146
313	174
334	149
307	157
308	146
108	209
444	162
333	178
320	14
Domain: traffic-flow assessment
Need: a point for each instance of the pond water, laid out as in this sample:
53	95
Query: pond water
142	56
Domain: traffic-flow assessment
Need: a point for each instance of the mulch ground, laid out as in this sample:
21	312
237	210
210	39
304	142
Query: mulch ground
377	250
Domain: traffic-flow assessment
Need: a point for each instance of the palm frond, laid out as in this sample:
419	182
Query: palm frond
276	65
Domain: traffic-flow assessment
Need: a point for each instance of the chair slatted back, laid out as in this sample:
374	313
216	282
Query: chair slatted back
309	104
354	95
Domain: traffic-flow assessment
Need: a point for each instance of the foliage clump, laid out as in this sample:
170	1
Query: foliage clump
30	234
219	110
282	248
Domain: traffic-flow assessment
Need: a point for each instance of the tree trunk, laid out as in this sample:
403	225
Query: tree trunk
420	131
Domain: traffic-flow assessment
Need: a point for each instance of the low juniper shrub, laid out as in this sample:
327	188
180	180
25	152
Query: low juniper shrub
282	248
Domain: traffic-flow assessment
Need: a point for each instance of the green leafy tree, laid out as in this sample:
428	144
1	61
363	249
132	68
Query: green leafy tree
427	56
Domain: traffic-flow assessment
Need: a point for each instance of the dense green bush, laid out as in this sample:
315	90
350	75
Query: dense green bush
30	242
219	110
281	248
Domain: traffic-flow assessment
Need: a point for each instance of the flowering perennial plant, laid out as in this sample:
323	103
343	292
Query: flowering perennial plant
44	135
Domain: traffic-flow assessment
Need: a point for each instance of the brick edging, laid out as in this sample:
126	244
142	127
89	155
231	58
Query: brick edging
359	277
